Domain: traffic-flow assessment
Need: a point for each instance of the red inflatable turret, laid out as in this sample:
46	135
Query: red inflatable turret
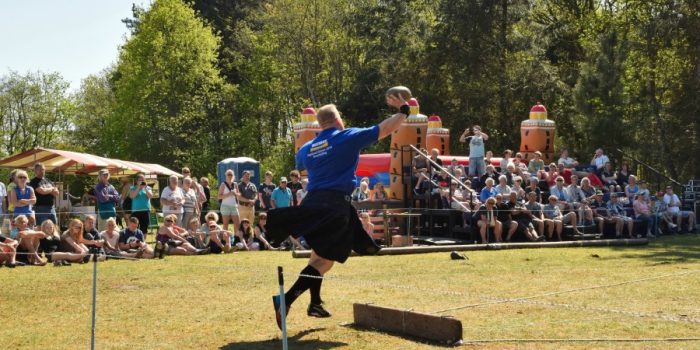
537	134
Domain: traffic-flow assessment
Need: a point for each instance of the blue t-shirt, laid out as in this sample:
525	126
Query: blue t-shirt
282	197
128	236
141	201
331	158
486	194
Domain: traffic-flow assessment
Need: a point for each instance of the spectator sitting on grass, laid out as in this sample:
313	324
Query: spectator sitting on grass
71	240
169	239
50	246
220	241
536	164
674	208
487	221
91	237
195	235
617	211
28	239
132	240
8	252
261	233
110	235
246	239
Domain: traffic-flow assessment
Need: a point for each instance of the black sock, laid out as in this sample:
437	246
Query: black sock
316	291
301	285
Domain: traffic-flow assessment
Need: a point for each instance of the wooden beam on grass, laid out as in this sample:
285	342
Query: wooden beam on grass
443	329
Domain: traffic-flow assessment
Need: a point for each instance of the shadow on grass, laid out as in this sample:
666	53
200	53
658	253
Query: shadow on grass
294	341
666	250
398	335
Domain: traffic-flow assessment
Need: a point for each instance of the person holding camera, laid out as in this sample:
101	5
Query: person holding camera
476	150
141	194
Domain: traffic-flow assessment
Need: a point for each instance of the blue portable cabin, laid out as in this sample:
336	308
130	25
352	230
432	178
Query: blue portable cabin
238	165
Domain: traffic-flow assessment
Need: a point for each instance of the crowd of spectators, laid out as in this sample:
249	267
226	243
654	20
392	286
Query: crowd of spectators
123	217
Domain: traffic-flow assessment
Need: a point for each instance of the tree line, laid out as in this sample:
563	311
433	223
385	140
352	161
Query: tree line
198	81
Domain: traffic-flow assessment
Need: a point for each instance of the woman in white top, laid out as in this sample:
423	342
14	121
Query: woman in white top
302	192
191	206
503	187
172	199
228	195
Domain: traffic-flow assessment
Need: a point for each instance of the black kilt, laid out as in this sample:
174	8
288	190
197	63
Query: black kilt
328	222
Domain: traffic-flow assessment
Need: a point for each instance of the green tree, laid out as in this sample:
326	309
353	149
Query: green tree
170	97
34	111
95	105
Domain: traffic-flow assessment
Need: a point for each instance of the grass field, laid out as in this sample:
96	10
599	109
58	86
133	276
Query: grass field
223	302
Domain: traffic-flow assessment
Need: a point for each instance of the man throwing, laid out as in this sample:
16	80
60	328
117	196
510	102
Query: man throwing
326	218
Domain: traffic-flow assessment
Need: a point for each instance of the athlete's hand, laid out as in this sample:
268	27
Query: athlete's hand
395	101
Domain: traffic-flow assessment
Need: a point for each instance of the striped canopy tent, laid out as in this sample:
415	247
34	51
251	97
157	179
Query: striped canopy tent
75	163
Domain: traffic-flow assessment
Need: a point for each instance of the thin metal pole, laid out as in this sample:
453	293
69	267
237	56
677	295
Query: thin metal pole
94	299
283	308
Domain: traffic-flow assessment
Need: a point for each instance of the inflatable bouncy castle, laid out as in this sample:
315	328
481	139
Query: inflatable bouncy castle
306	129
437	136
411	132
537	134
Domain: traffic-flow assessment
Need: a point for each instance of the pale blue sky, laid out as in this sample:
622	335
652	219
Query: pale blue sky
72	37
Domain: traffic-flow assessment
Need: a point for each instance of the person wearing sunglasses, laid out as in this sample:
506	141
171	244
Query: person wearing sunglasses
22	197
170	240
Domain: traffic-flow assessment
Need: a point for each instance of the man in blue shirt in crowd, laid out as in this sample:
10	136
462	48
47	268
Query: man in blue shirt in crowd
326	218
282	195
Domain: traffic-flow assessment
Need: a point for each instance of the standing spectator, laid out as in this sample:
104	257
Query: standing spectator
107	199
598	161
185	173
228	195
46	193
282	195
301	194
141	194
265	191
172	199
642	212
674	209
3	201
190	207
249	193
294	185
132	240
476	150
125	204
22	197
206	203
536	164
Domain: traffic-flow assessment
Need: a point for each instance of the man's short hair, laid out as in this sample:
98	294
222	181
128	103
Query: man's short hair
327	115
294	173
245	172
134	220
39	165
268	173
185	170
